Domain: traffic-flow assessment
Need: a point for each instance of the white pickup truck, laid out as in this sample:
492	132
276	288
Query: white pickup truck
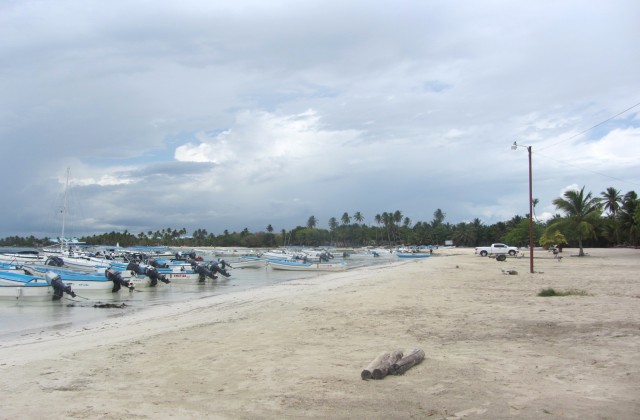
496	249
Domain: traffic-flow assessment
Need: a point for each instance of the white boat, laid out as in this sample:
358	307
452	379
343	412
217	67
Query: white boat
138	276
302	266
79	282
21	256
279	254
246	261
140	280
182	278
86	264
26	292
16	286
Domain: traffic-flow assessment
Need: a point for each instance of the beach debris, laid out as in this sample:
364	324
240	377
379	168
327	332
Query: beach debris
109	305
407	362
380	366
509	271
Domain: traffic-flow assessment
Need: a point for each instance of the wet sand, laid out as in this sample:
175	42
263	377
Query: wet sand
494	349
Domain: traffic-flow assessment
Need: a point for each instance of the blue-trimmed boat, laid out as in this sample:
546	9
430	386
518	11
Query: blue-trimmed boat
22	287
79	282
302	266
412	255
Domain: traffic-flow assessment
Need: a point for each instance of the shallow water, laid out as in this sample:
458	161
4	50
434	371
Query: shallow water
23	318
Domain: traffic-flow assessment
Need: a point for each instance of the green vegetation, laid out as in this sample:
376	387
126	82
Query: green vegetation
583	215
589	221
552	238
571	292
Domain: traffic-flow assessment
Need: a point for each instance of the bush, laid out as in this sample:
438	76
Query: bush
570	292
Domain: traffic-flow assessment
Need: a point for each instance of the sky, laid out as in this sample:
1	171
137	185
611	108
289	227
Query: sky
143	115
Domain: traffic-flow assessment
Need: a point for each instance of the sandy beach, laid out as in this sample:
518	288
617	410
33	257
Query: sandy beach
494	349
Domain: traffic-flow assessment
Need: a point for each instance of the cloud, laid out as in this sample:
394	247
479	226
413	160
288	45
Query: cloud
225	115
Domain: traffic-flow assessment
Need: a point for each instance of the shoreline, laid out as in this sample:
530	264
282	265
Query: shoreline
494	349
158	319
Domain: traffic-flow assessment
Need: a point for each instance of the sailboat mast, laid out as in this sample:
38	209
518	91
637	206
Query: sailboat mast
64	211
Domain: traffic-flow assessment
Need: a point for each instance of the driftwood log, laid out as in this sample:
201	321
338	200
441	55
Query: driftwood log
410	360
381	365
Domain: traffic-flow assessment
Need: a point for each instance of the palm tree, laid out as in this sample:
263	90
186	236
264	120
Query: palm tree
396	219
386	219
333	225
438	218
345	218
534	203
582	214
612	201
312	222
358	217
628	217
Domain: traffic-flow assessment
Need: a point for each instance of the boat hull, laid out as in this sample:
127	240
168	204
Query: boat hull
79	282
411	255
250	262
26	292
300	266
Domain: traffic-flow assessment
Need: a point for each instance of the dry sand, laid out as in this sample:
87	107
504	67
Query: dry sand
494	349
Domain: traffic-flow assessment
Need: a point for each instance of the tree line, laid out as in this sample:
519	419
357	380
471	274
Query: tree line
610	219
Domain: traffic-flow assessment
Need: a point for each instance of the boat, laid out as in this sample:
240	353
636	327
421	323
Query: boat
20	255
79	282
22	287
302	266
85	263
139	278
412	255
279	254
247	261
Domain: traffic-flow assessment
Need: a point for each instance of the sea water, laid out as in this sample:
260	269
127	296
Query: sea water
24	318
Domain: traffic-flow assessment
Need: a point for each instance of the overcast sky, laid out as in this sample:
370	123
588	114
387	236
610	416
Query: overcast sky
240	114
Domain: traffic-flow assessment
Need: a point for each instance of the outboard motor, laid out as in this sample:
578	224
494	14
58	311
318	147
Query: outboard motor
215	268
193	263
118	280
224	264
135	267
203	272
59	288
54	261
155	276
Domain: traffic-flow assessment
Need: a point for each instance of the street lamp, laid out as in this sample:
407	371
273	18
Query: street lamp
514	146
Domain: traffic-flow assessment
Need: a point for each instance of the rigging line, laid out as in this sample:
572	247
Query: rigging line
589	129
588	170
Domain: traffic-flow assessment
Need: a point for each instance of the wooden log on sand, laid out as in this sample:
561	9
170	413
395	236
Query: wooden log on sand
410	360
380	366
367	373
385	367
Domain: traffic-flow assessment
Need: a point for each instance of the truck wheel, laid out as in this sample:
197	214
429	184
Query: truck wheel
483	253
501	257
512	253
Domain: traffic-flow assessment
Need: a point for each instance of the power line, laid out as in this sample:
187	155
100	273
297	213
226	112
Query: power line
537	151
588	170
589	129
